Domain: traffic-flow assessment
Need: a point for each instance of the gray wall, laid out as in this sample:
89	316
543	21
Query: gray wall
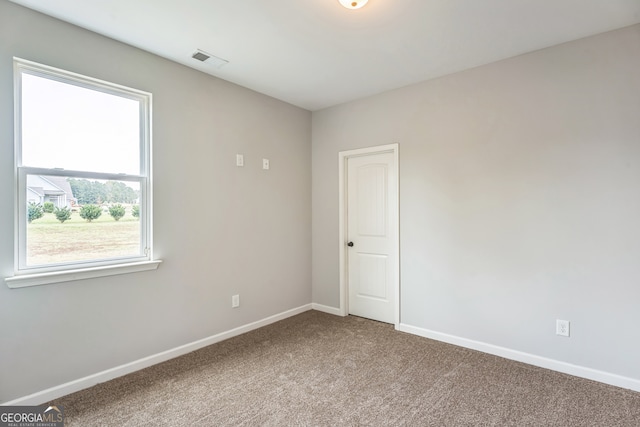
254	237
519	189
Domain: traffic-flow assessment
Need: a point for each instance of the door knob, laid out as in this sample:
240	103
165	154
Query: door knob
350	244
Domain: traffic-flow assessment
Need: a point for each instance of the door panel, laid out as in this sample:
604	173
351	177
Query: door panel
371	188
371	216
371	277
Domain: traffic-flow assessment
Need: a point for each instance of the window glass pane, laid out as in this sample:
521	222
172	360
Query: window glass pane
74	220
74	128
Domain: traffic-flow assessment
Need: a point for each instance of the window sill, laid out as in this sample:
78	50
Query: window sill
23	281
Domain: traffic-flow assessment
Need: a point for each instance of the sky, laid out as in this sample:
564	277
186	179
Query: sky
74	128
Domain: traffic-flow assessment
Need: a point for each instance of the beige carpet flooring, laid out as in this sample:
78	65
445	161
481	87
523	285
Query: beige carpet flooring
315	369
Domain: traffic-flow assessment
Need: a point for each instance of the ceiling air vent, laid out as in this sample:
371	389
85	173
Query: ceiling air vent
209	59
200	56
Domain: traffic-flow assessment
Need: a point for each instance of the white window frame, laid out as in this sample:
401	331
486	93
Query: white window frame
25	275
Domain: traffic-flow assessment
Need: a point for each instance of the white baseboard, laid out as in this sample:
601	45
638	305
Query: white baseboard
531	359
47	395
326	309
100	377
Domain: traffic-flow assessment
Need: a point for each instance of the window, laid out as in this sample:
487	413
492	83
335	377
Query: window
83	160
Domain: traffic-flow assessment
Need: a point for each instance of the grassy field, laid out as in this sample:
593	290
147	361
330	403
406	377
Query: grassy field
49	241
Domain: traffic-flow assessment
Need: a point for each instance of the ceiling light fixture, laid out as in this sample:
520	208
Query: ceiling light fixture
353	4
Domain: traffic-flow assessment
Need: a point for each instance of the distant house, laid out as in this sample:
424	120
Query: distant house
54	189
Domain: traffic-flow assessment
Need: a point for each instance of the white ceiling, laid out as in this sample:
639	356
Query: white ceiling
315	53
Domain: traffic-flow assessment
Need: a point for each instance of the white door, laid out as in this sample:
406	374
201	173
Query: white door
371	234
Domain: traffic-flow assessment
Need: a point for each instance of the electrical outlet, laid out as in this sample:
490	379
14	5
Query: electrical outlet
562	327
239	160
235	301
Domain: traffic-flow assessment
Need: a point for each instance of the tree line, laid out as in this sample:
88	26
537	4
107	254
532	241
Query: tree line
95	192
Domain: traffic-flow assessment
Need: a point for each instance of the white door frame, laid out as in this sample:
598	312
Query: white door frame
343	156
